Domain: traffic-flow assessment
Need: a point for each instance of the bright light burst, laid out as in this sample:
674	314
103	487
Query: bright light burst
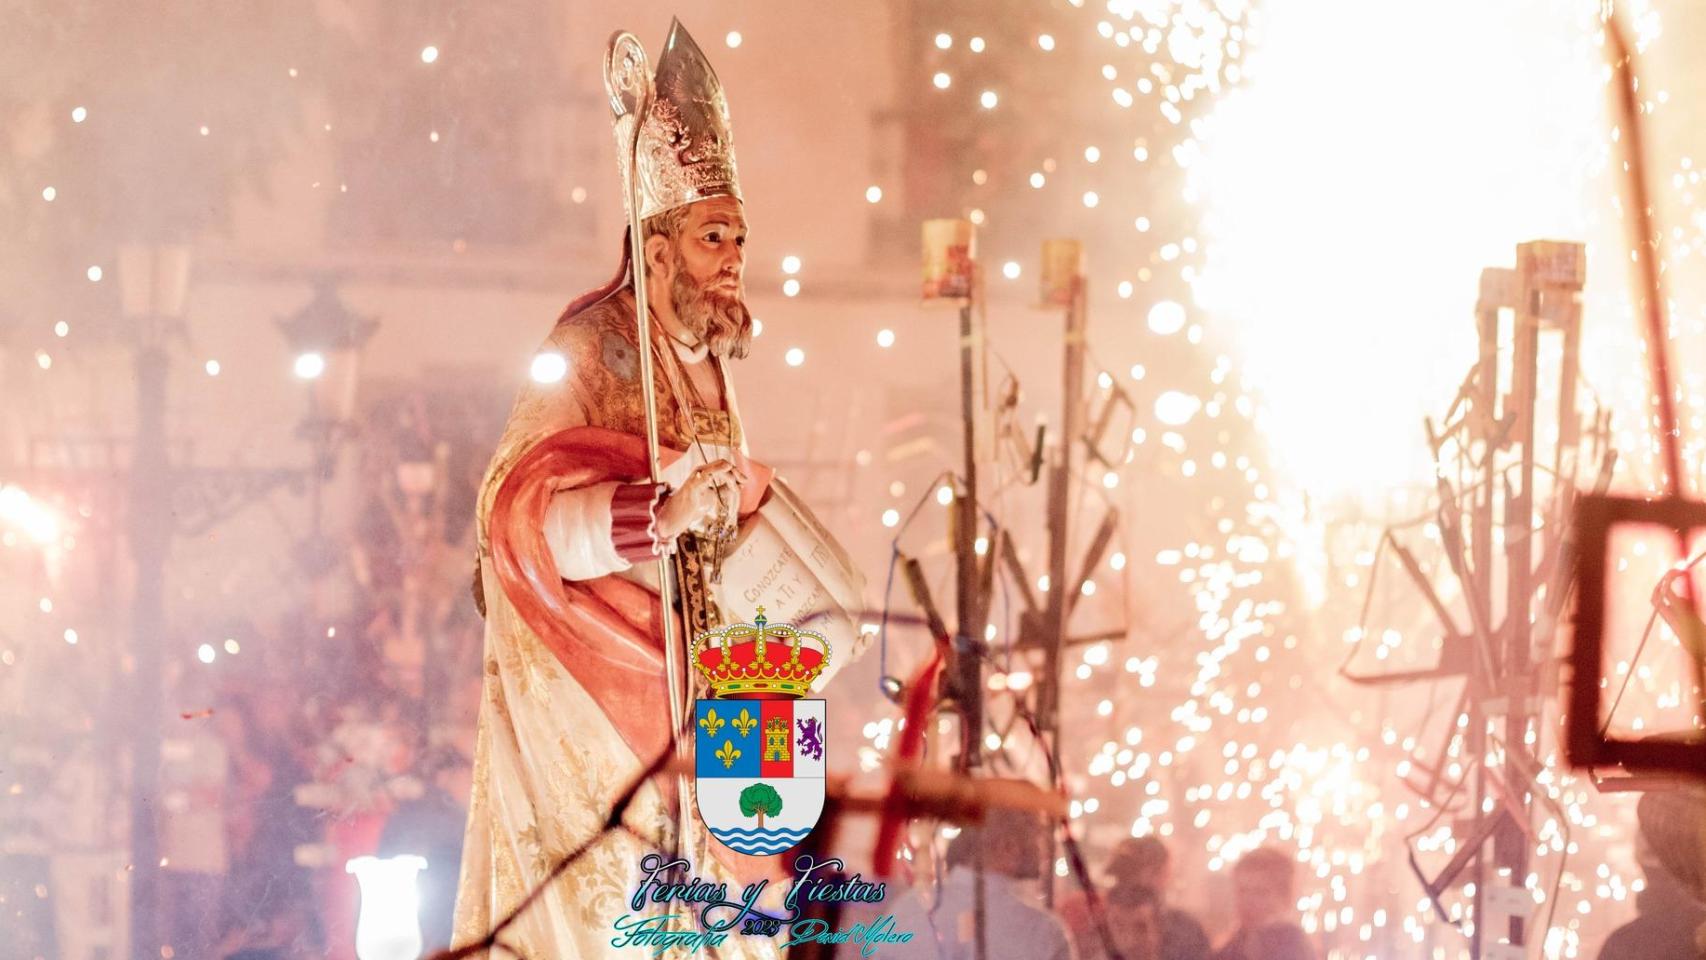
20	511
1353	190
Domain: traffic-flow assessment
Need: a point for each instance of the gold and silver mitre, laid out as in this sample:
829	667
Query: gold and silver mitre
685	151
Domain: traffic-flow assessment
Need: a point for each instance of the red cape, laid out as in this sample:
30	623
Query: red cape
604	631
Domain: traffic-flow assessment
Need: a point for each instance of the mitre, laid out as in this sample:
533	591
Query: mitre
686	148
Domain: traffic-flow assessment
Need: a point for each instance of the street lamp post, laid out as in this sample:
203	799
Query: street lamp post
327	340
153	281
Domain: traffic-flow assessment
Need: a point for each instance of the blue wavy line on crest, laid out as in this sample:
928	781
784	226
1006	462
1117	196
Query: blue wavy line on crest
790	837
759	834
757	850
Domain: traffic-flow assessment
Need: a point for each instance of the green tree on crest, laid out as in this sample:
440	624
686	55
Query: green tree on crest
760	800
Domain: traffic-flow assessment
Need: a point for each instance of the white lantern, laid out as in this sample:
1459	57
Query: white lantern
389	926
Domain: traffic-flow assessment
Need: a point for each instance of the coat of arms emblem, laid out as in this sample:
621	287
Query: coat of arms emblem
758	744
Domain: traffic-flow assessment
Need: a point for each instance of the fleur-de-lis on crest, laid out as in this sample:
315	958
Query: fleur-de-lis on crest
711	722
728	754
745	722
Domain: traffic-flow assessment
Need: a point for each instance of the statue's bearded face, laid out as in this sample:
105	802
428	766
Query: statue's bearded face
705	285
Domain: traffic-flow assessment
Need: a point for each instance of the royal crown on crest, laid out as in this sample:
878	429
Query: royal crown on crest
760	660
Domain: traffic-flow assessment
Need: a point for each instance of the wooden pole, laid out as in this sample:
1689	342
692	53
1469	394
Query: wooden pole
1059	502
968	640
150	532
1481	547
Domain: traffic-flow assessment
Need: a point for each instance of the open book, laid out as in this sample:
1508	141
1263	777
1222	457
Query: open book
787	562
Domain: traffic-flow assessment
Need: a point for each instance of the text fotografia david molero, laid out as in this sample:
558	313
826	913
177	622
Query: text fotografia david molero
815	881
867	936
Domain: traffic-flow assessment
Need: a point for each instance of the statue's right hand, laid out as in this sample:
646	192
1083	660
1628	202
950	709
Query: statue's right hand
697	497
